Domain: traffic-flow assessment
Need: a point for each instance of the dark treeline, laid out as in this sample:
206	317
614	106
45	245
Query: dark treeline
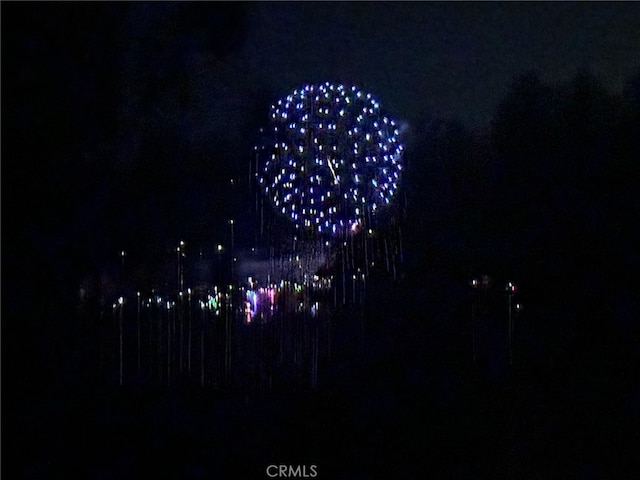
549	199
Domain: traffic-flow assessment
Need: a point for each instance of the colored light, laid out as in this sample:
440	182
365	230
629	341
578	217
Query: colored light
337	150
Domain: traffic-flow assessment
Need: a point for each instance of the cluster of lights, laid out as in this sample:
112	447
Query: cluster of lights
334	158
260	301
214	302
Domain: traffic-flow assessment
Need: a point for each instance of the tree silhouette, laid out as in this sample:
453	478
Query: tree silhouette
549	198
568	203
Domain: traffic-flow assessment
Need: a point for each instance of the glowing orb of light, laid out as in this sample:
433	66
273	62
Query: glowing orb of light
333	159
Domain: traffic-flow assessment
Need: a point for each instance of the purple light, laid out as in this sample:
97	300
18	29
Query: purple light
337	143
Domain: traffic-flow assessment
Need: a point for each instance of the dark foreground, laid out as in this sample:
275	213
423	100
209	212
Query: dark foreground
408	403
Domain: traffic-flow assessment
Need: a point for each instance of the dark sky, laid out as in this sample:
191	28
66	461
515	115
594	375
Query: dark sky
122	113
445	59
202	70
451	59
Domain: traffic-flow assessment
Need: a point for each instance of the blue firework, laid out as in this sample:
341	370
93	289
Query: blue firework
333	161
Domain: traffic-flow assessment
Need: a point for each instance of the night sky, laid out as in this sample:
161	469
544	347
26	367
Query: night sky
118	111
453	60
123	124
